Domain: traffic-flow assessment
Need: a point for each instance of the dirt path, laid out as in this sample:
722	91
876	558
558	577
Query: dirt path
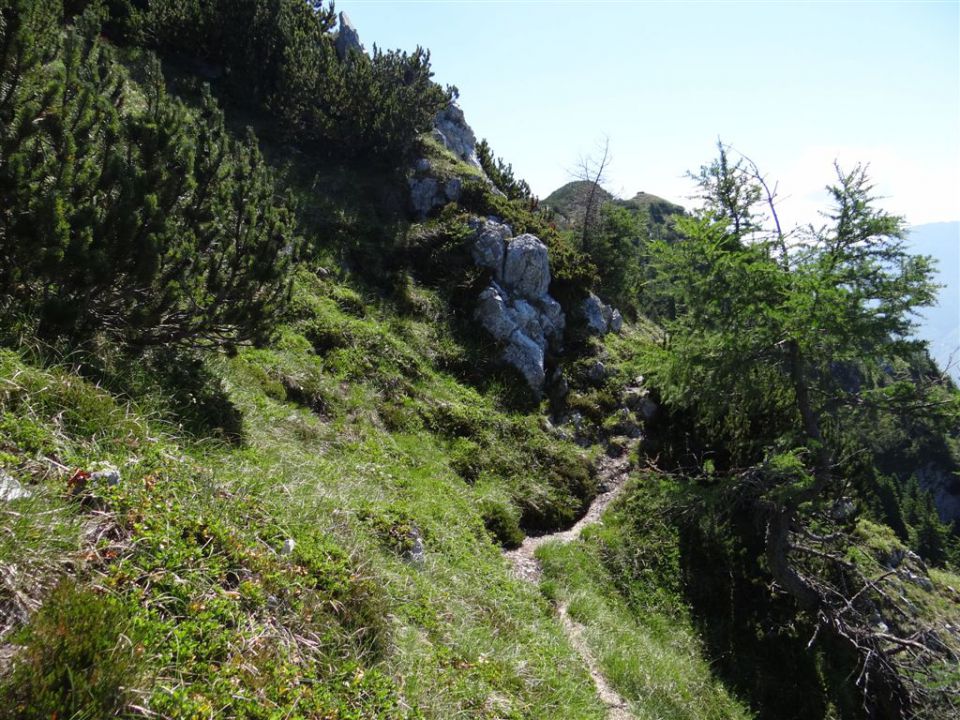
613	473
617	707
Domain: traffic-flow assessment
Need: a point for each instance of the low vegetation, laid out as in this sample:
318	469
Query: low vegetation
257	460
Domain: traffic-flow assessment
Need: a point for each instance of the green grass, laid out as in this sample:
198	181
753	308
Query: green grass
649	653
350	437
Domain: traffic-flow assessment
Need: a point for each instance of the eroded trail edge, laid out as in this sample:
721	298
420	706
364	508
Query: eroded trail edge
612	475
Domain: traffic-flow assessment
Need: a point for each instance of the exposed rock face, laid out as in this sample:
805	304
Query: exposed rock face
489	246
526	269
427	193
451	129
637	398
600	317
515	308
347	38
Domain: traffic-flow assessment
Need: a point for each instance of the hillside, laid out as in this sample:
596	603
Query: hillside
565	200
308	410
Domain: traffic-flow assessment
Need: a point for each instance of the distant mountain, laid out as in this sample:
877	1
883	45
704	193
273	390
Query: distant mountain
567	199
941	323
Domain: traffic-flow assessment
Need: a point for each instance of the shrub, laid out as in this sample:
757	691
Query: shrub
153	226
79	659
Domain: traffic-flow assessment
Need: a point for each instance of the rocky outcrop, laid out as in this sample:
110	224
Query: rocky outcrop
599	317
515	307
451	130
348	39
428	193
526	269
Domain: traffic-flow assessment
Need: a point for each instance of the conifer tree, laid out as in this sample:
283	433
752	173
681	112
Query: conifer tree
152	225
760	325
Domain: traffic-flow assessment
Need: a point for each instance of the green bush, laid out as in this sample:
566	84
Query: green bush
502	523
279	56
80	658
152	225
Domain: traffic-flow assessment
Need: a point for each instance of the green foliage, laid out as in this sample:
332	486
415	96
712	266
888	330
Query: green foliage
617	249
279	56
751	316
502	523
501	174
80	658
152	225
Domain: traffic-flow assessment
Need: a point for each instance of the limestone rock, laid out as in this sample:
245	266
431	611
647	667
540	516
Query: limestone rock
551	317
597	372
416	552
452	188
527	357
638	399
427	193
528	319
348	38
596	314
526	269
489	246
423	191
107	474
494	313
11	489
599	317
452	130
616	321
515	307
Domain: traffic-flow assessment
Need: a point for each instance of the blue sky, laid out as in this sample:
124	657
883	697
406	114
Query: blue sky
793	85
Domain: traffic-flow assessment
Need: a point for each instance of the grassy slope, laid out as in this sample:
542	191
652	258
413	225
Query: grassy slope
186	550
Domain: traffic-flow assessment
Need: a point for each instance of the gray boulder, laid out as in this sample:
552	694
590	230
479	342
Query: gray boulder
529	321
526	356
423	193
515	308
452	130
596	314
427	193
526	269
415	553
551	317
616	321
348	38
489	245
638	399
107	474
494	313
600	318
452	188
597	372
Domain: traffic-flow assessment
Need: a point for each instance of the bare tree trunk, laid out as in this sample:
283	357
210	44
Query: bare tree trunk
592	171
